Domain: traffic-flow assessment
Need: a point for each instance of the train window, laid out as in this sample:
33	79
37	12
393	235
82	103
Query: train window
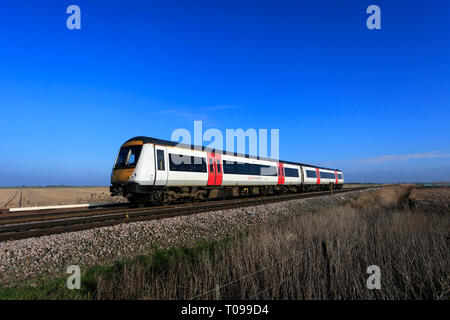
239	168
289	172
339	176
128	157
228	167
267	171
122	158
219	169
132	159
178	162
254	169
198	164
311	174
160	159
327	175
135	152
232	167
211	165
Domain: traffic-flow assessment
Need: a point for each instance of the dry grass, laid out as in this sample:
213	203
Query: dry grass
384	198
431	199
318	255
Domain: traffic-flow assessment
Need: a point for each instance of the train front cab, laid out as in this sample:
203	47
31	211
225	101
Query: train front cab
125	166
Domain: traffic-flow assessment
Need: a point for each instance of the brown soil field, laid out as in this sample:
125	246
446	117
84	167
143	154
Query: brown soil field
30	197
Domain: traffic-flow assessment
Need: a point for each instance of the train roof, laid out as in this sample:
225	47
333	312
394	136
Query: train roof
202	148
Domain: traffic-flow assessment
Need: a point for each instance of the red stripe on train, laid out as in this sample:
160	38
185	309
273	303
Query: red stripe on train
219	169
280	172
215	169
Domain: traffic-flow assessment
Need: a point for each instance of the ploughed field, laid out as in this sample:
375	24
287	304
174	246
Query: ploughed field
30	197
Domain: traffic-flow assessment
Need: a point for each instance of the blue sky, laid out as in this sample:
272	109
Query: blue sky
374	103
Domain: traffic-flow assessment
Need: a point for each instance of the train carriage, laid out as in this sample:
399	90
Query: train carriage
153	170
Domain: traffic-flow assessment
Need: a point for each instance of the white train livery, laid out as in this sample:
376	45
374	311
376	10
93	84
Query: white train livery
153	170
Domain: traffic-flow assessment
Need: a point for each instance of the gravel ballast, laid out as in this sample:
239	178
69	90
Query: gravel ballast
48	255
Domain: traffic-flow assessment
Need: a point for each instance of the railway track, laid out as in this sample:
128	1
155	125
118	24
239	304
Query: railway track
15	227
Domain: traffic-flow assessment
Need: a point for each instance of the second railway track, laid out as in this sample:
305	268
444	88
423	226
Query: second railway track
35	225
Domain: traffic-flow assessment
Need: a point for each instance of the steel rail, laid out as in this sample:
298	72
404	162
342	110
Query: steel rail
26	229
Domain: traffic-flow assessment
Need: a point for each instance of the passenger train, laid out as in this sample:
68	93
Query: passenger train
149	170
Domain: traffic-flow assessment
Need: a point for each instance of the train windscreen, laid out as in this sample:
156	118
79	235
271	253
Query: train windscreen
128	157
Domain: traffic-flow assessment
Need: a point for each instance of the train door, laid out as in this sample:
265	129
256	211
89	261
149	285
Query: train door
215	169
336	176
281	176
161	165
318	175
211	169
219	169
302	174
